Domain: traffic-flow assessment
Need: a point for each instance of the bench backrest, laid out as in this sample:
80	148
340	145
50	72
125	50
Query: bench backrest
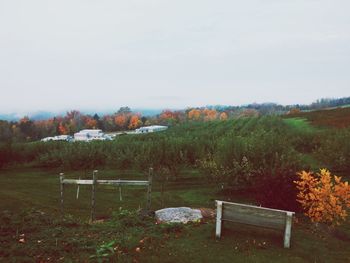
254	215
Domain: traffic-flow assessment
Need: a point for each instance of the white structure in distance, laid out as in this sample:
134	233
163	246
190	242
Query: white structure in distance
152	128
67	138
90	135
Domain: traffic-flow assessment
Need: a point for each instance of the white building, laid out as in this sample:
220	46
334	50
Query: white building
58	138
153	128
90	135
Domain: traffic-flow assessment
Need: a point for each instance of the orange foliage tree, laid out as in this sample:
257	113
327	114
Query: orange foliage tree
223	116
90	123
294	111
194	114
167	114
134	122
324	198
120	120
62	129
209	115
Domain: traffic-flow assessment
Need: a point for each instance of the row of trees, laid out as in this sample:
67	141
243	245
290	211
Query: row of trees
124	119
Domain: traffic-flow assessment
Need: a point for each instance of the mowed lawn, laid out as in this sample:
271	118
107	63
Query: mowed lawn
30	189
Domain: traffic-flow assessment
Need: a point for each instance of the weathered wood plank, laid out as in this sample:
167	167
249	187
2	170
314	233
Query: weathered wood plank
93	192
257	207
149	189
122	182
78	188
253	216
105	182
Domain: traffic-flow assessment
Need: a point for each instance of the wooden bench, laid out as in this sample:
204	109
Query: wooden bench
256	216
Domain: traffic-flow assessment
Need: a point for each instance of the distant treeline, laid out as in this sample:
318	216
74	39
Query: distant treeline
124	119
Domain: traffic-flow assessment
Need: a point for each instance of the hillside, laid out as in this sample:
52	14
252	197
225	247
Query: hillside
337	118
245	160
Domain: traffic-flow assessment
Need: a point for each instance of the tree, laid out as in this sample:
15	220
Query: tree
62	129
5	131
209	115
294	111
223	116
121	121
194	114
249	113
124	110
324	198
134	122
90	123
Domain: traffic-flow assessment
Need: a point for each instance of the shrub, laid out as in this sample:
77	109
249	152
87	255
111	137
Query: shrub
324	198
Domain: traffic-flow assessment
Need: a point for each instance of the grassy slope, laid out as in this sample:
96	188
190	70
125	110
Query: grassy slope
338	117
30	188
38	189
300	124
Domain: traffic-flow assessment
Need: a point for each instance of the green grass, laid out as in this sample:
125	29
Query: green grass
30	204
300	124
326	118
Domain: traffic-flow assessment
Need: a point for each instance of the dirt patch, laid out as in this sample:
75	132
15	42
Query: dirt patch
207	213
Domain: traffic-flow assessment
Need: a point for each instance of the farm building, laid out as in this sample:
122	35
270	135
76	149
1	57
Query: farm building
153	128
89	135
58	138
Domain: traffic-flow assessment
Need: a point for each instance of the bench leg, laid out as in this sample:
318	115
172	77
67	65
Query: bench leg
288	230
218	218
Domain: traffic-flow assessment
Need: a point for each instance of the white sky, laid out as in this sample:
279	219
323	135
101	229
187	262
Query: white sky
102	54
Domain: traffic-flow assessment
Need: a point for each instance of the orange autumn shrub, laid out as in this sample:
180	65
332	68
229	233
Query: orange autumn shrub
324	198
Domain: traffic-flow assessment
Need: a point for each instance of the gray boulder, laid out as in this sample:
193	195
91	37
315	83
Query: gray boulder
178	215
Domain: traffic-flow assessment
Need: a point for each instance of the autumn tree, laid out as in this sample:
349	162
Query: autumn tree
210	115
121	121
168	117
194	114
90	123
294	111
27	128
74	121
62	129
324	198
223	116
134	122
249	113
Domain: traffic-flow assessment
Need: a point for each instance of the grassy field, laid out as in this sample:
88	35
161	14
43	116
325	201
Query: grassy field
32	231
337	117
300	125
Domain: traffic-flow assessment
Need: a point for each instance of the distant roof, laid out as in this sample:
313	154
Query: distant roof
90	130
153	126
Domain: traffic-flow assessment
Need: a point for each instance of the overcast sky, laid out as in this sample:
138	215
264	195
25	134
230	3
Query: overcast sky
103	54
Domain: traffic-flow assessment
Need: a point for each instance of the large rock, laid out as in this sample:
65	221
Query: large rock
178	215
